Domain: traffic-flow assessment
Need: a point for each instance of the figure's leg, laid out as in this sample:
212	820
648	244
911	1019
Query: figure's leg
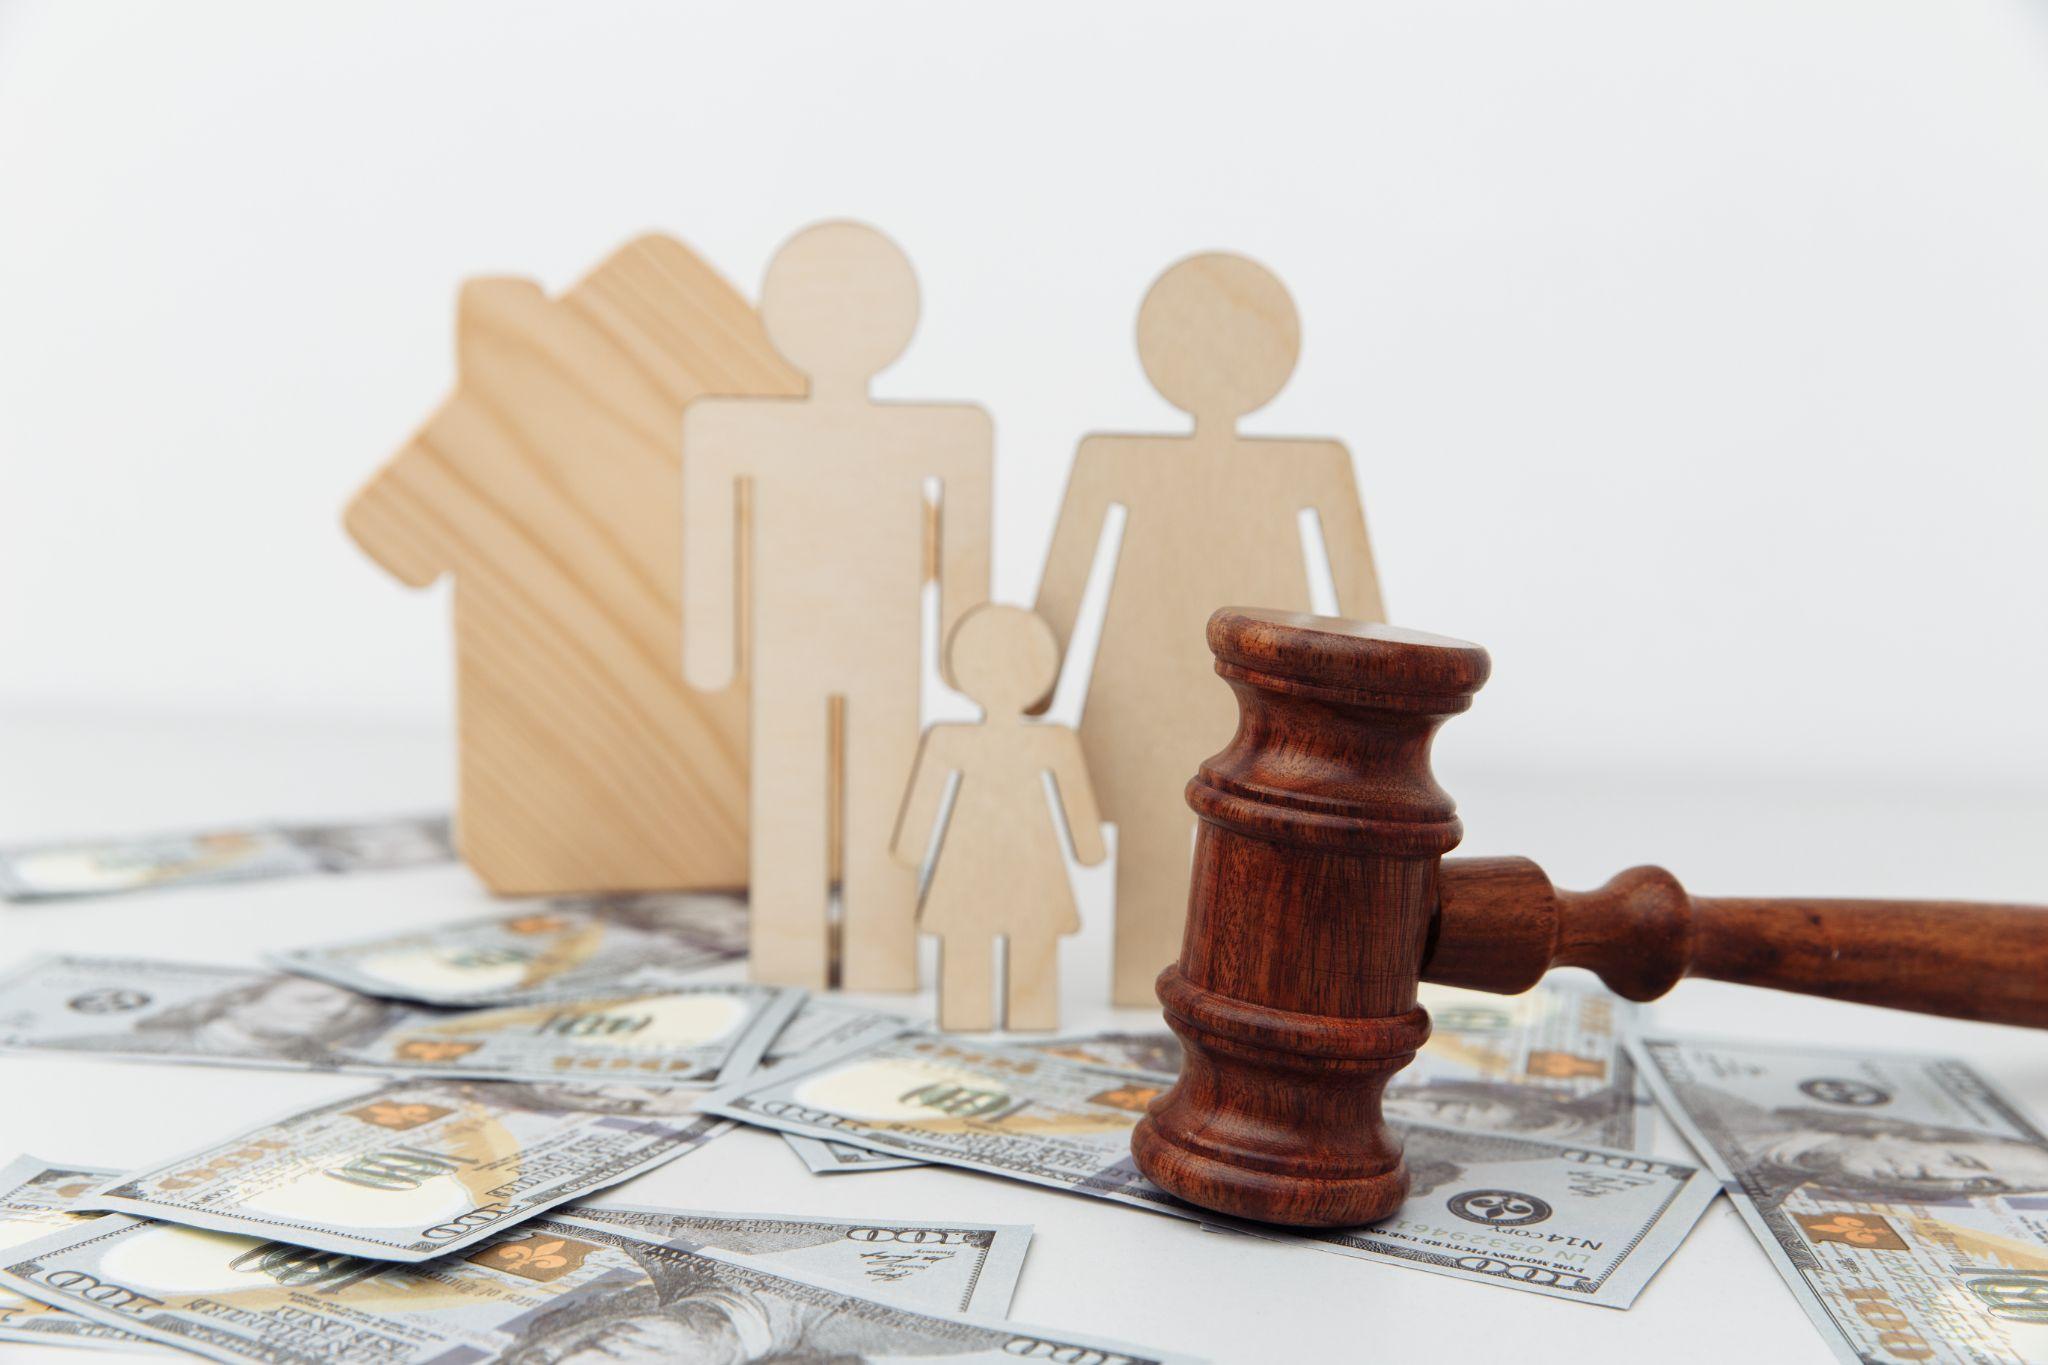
1033	989
967	983
879	948
1153	853
789	901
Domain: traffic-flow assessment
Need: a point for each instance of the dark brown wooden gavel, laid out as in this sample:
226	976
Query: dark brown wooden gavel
1321	898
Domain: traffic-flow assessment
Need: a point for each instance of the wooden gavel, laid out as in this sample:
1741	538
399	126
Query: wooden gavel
1321	898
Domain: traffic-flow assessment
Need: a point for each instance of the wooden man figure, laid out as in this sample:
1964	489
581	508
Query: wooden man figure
999	870
548	486
1211	518
834	498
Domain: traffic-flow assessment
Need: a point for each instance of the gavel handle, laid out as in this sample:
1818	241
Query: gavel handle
1500	926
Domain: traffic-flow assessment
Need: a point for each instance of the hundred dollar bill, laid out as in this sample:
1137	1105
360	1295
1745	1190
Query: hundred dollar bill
826	1024
1903	1198
940	1267
1546	1063
376	845
547	1293
663	1034
35	1200
566	947
98	867
1565	1219
674	1033
826	1156
418	1168
822	1022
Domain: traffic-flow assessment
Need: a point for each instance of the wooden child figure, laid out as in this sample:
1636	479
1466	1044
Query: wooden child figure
998	870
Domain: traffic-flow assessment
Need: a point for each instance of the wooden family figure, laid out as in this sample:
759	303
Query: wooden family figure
805	532
790	584
999	871
1212	518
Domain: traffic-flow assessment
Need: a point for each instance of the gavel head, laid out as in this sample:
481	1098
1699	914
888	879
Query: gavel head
1315	883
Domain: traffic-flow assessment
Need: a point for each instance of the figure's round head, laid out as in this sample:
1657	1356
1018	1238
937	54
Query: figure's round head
840	301
1004	657
1218	336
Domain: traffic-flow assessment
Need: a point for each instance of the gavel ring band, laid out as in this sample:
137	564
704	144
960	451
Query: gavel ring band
1232	1043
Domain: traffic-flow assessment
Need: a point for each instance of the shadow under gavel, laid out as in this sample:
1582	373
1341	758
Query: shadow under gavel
1321	898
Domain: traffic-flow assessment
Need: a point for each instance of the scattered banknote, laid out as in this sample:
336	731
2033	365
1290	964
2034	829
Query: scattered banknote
565	947
668	1035
826	1156
675	1033
417	1168
1547	1063
1565	1219
35	1200
1903	1198
546	1293
184	1011
823	1024
99	867
1153	1050
939	1267
376	845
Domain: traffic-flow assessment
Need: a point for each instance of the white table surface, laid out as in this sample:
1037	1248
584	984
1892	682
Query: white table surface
1093	1267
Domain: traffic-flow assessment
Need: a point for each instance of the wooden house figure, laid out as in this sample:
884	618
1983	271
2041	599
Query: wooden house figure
549	485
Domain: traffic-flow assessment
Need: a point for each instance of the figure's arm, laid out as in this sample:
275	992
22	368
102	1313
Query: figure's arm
1343	516
1077	799
711	511
966	479
1075	536
921	803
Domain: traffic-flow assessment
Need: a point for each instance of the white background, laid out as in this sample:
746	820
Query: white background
1692	355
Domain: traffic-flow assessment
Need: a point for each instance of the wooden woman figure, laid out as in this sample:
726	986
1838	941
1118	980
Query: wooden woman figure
999	871
1212	518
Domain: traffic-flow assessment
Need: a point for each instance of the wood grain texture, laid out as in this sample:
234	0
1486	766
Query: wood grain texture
1314	885
549	485
1320	898
834	483
999	871
1501	926
1211	517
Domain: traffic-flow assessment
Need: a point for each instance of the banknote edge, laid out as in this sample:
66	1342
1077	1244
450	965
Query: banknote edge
65	1238
1752	1217
744	1057
816	1155
97	1199
304	962
13	1176
1005	1255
